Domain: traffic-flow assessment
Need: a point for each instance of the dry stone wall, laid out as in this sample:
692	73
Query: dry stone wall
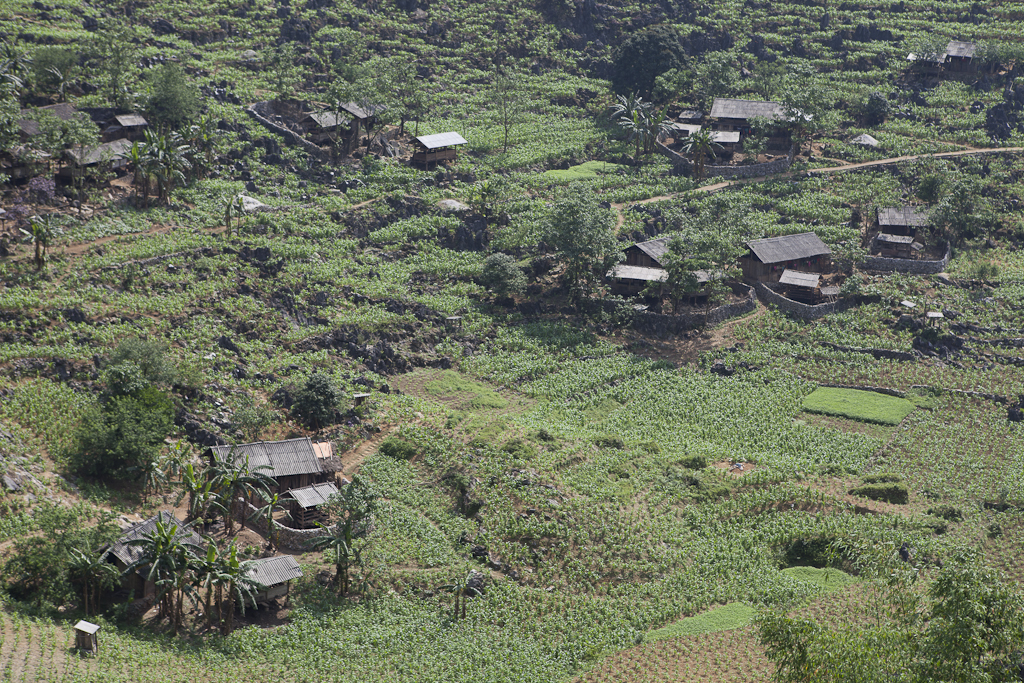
801	310
751	171
258	112
906	265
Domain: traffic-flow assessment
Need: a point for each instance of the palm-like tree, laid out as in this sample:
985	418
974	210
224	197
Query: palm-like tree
167	560
95	574
235	479
199	487
138	158
344	550
271	502
235	586
461	590
42	230
233	207
698	144
644	125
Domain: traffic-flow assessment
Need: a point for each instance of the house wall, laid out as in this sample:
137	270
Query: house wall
637	257
796	309
746	171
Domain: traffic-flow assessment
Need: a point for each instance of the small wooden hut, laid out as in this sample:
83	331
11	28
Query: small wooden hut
112	153
731	114
275	574
305	502
647	254
324	126
85	637
769	258
896	246
431	149
629	280
901	220
127	127
800	286
292	463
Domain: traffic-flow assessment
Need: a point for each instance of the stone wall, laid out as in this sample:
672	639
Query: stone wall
751	171
665	325
906	265
889	354
259	112
801	310
286	536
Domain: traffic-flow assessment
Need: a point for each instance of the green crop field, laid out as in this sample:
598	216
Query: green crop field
543	477
867	406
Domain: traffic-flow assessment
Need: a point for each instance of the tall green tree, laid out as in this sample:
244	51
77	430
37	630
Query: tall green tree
173	100
94	573
699	145
350	513
236	479
643	56
167	558
582	233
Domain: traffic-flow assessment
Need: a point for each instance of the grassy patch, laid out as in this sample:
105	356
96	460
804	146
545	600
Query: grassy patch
829	579
474	395
724	618
866	406
590	169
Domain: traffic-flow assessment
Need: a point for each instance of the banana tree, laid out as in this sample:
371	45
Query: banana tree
41	232
697	145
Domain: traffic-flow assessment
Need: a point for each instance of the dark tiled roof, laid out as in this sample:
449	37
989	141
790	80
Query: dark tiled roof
311	496
656	248
127	553
728	108
326	119
275	570
798	279
903	215
30	125
441	140
284	458
362	112
894	239
788	247
106	151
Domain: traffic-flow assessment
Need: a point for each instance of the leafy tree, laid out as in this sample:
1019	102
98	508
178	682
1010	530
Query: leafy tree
252	418
350	511
643	124
285	73
583	235
698	145
876	108
961	211
644	56
712	252
115	55
502	275
123	434
272	502
715	74
143	358
174	100
235	586
316	402
52	68
807	102
40	567
508	97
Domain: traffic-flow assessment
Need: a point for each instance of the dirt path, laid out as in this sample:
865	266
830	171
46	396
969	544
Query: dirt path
620	208
353	459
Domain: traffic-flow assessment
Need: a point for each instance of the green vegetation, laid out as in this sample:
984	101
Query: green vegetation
724	618
829	579
584	171
867	406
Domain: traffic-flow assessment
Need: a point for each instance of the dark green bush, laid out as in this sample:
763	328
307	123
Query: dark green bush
892	492
502	275
693	462
175	100
947	512
397	449
882	478
936	524
609	441
316	402
519	449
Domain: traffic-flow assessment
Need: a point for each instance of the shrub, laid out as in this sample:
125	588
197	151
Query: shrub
609	441
892	492
397	449
316	402
693	462
174	100
502	275
518	448
882	478
947	512
137	363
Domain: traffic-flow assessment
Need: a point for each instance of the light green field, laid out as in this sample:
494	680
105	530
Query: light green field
866	406
724	618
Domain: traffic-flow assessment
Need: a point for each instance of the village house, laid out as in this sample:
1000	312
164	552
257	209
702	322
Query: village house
898	234
805	287
304	503
959	60
28	124
431	149
122	553
770	257
275	574
292	464
736	115
125	127
643	264
323	126
112	153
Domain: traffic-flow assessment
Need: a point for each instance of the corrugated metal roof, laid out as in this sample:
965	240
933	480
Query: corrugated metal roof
728	108
788	247
275	570
127	553
894	239
798	279
903	215
441	140
830	291
106	151
690	115
725	137
129	120
311	496
362	112
285	458
960	48
86	627
626	272
687	128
